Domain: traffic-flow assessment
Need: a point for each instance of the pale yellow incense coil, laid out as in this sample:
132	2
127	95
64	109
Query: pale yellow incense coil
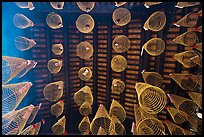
117	85
14	121
30	130
186	4
84	125
21	21
53	91
37	129
85	23
188	38
57	5
84	94
54	65
149	4
101	131
196	97
25	5
121	43
197	78
196	123
121	16
152	78
85	109
119	128
177	115
118	4
23	43
54	20
156	21
86	6
59	127
84	50
118	63
57	49
34	113
85	73
57	108
174	129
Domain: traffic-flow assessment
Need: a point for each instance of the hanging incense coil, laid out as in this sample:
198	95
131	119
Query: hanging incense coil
196	123
22	22
30	64
196	97
54	91
197	59
121	16
54	20
101	131
119	128
57	108
84	125
84	50
34	113
121	43
196	29
197	79
86	6
177	115
57	49
186	4
37	129
154	46
156	21
23	43
118	63
57	5
85	109
198	46
152	78
174	129
30	130
188	38
85	73
118	4
59	127
117	85
85	23
54	65
25	5
148	4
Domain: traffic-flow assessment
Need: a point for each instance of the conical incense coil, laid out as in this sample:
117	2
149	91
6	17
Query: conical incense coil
148	4
174	129
185	105
198	46
117	110
154	46
86	6
30	64
121	43
54	65
85	109
14	121
58	108
119	128
85	23
196	29
23	43
54	20
25	5
186	4
111	130
84	94
188	38
156	21
84	50
54	91
197	59
152	78
117	85
30	130
151	99
118	4
177	115
197	79
59	127
101	131
118	63
22	22
187	132
140	86
196	123
57	5
37	129
57	49
85	73
84	125
34	113
196	97
13	94
121	16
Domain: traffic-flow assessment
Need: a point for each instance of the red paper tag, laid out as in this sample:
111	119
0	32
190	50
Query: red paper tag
194	46
168	107
166	120
34	125
65	132
62	100
43	121
196	29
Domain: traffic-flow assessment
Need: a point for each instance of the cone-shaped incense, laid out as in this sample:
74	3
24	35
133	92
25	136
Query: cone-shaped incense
54	65
59	127
118	63
84	50
148	4
152	78
84	125
121	16
34	113
186	4
23	43
174	129
25	5
196	97
85	73
121	43
54	20
117	85
58	108
37	129
119	128
57	49
21	21
177	115
196	123
85	109
188	38
85	23
86	6
57	5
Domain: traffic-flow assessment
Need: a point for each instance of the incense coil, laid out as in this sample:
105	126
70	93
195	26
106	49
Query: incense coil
84	50
85	109
117	85
196	123
54	65
186	4
86	6
152	78
118	4
30	64
57	108
84	125
197	59
119	128
57	5
121	43
199	46
30	130
177	116
188	38
101	131
174	129
85	73
197	79
59	127
85	23
57	49
196	97
23	43
22	22
34	113
148	4
37	129
54	20
25	5
118	63
121	16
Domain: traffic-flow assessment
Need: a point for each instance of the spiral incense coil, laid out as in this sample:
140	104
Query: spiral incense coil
177	116
118	63
121	43
185	105
148	4
84	125
186	4
58	108
86	6
196	97
152	78
156	21
85	73
54	91
188	38
23	43
196	123
57	5
85	23
84	94
84	50
30	130
85	109
140	86
37	129
22	22
54	20
25	5
121	16
54	65
118	4
117	85
174	129
119	128
57	49
34	113
101	131
59	127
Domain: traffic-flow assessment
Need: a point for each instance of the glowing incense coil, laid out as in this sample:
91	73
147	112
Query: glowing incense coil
13	94
119	128
85	23
174	129
54	91
59	127
84	125
117	85
85	109
86	6
85	73
196	123
118	4
57	5
156	21
121	43
118	63
37	129
58	108
185	105
22	22
57	49
54	20
196	97
25	5
152	78
101	131
84	94
117	110
30	130
151	99
23	43
121	16
148	4
14	121
188	38
176	115
54	65
186	4
84	50
34	113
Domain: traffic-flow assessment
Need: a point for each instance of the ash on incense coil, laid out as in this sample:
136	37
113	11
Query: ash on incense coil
84	125
188	38
152	78
54	65
117	85
118	4
57	5
85	23
186	4
196	97
196	123
57	49
59	127
25	5
85	73
84	50
118	63
148	4
54	20
23	43
86	6
174	129
121	16
34	113
177	116
119	128
85	109
121	43
21	21
57	108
